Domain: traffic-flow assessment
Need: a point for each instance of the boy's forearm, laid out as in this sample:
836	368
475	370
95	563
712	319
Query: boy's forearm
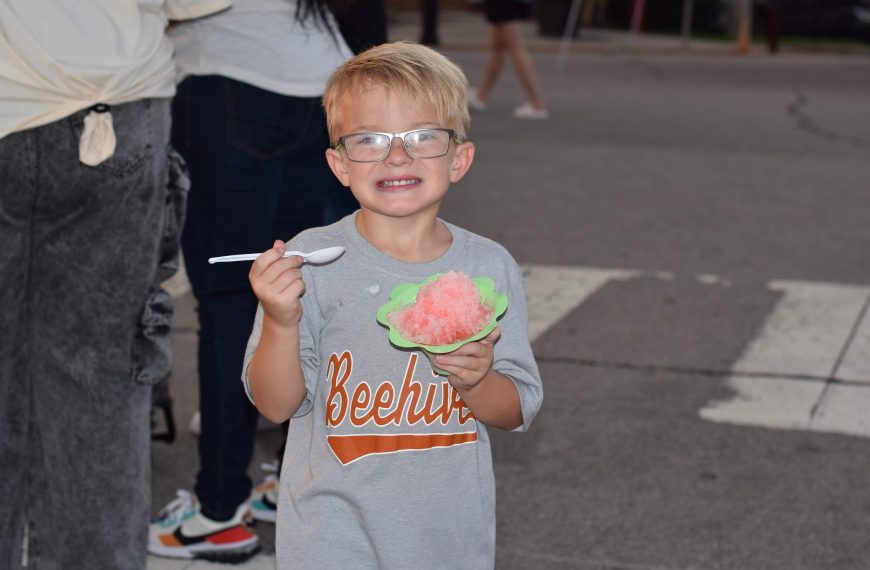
275	374
495	401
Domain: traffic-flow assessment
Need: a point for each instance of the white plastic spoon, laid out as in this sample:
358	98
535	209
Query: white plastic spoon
317	257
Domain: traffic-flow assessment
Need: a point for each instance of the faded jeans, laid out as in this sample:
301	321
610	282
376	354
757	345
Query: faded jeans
83	336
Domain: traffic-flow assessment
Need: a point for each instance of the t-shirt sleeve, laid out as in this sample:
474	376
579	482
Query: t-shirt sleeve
308	349
190	9
512	354
309	338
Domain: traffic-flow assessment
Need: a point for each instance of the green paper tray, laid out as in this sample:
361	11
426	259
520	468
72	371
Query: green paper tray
406	294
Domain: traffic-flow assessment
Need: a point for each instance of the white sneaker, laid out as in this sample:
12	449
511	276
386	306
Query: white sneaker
182	531
474	101
195	425
526	111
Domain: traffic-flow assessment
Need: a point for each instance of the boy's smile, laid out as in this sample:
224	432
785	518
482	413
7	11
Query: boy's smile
398	183
398	186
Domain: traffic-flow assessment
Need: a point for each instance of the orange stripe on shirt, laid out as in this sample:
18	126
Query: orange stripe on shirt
349	448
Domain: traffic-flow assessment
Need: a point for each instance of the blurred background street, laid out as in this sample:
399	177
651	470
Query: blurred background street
695	233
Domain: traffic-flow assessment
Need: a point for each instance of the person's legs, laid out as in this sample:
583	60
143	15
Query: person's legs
494	61
773	29
429	35
17	166
97	321
311	195
512	36
225	306
238	141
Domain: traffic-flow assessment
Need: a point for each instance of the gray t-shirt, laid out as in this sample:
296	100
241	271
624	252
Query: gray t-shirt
384	466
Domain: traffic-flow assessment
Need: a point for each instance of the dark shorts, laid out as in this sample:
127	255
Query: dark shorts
500	11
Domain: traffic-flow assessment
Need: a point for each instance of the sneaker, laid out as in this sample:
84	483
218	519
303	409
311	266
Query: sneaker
264	498
182	531
526	111
474	102
195	425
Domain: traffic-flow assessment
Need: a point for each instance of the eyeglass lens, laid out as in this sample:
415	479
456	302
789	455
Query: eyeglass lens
423	143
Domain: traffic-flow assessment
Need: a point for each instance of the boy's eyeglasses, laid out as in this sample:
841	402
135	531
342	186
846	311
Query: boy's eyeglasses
419	143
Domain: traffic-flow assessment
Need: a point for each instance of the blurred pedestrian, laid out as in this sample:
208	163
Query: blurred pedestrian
362	23
248	119
91	201
430	23
505	17
768	17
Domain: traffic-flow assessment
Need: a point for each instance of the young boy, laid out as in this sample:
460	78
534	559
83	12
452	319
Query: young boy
387	464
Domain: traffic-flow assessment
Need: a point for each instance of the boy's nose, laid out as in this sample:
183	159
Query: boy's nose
398	154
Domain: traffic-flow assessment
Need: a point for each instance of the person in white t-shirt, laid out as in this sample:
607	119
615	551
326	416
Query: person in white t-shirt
249	123
90	202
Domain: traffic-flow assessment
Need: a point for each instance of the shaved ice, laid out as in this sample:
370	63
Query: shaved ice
447	310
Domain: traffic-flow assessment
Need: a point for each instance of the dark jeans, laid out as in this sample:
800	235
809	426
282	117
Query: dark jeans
83	336
258	173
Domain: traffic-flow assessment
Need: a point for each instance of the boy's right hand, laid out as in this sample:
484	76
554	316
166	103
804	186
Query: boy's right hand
277	283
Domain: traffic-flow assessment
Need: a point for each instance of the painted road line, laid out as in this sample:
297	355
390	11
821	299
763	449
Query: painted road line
817	333
807	330
767	402
554	291
843	408
855	366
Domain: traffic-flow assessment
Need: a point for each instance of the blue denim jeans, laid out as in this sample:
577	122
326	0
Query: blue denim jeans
83	336
258	173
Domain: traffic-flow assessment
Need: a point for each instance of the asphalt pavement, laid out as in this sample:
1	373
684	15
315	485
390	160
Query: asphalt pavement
694	228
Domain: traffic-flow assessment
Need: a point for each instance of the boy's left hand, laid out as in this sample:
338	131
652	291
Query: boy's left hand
469	363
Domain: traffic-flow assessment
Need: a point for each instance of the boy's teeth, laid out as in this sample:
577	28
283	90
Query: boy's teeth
400	182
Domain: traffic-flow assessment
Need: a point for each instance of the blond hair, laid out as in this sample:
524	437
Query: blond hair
411	69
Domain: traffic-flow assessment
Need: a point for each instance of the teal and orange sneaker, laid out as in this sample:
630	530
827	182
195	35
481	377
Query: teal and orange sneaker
182	531
264	498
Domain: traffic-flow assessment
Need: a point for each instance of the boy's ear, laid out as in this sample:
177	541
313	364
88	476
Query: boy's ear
461	161
338	165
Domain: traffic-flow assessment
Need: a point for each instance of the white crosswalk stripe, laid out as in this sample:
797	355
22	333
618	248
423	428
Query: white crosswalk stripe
807	330
789	377
817	335
815	338
855	366
554	291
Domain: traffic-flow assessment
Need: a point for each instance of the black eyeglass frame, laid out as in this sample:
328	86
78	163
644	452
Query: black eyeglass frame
454	137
